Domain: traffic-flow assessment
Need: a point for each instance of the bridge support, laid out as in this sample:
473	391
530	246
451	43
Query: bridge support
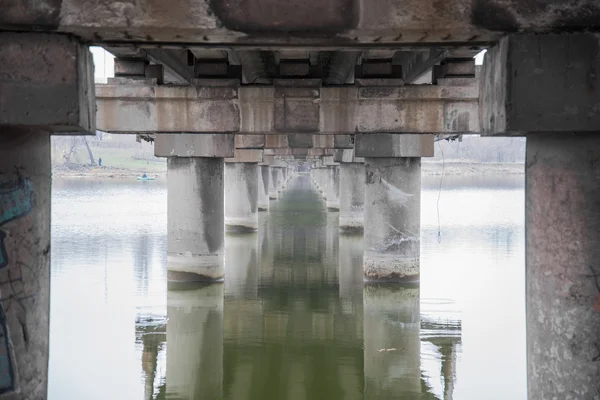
562	194
352	190
46	86
273	189
241	191
333	187
264	179
392	205
195	204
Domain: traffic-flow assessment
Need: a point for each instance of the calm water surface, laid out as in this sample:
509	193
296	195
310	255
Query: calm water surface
294	319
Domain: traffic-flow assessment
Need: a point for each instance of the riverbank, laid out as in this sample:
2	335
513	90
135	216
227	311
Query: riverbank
430	168
89	171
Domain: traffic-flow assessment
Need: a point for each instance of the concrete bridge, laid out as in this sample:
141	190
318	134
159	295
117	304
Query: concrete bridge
229	86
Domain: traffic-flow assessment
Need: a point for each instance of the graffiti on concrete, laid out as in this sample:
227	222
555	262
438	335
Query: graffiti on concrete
16	201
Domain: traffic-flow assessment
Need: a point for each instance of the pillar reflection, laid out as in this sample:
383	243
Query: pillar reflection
391	342
195	343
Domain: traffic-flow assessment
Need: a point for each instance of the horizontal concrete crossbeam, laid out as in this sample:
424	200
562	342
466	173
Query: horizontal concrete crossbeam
252	110
344	23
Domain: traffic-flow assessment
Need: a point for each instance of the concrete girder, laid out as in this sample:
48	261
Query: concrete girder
345	23
256	110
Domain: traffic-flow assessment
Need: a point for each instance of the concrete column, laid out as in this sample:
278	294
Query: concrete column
392	345
352	196
392	219
25	185
46	85
241	196
562	198
273	190
195	215
333	187
280	180
562	218
264	178
195	343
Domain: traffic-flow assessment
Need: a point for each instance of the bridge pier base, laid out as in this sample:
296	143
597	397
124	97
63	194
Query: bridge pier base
352	196
273	189
392	219
241	196
563	265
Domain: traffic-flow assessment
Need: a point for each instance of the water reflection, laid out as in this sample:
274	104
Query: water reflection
293	319
195	343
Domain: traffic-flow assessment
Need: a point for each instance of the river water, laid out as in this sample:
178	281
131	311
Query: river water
293	319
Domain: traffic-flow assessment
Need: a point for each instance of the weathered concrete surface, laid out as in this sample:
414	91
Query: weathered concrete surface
392	219
25	185
392	346
246	156
346	156
195	342
337	23
333	187
352	196
560	69
241	196
562	196
249	141
258	110
195	219
264	178
393	145
46	81
189	145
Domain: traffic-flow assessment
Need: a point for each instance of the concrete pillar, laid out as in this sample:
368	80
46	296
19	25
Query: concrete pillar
352	196
562	220
241	196
195	343
333	187
46	85
195	204
195	215
25	185
264	178
392	219
392	346
280	180
562	198
273	190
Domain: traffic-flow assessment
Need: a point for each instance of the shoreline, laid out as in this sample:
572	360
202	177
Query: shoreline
428	169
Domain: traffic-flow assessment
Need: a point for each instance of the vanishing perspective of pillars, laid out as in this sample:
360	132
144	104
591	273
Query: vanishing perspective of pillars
392	344
25	185
333	187
241	196
392	219
562	227
352	196
195	343
195	215
264	178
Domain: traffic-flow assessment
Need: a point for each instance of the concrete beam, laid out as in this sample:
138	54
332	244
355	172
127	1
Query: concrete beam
336	23
189	145
541	84
391	145
289	110
346	156
46	82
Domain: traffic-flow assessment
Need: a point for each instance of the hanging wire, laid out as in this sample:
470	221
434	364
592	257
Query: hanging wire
440	193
